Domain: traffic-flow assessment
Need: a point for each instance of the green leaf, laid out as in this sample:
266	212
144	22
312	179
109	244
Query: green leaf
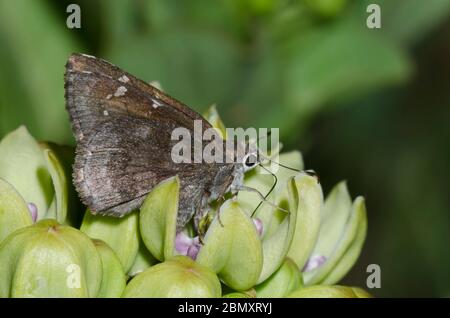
158	218
338	62
35	47
113	278
232	248
120	19
326	8
285	280
14	212
121	234
264	89
310	198
179	277
405	21
23	165
212	56
302	69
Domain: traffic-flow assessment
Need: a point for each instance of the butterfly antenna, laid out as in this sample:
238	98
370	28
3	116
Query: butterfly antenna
309	172
270	191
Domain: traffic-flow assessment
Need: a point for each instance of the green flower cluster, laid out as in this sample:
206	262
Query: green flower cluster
46	252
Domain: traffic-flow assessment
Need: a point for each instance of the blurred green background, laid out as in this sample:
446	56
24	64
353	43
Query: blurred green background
368	106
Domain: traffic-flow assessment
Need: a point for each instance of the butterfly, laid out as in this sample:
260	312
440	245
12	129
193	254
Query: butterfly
123	126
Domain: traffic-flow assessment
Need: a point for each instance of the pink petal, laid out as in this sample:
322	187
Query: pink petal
33	211
259	225
314	262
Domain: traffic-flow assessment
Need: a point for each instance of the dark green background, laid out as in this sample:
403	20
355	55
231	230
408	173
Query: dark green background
369	106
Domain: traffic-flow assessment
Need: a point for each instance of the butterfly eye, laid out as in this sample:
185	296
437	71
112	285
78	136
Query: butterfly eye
250	160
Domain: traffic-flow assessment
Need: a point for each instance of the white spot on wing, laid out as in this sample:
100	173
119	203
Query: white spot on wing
156	103
79	175
86	72
105	112
89	56
124	79
120	91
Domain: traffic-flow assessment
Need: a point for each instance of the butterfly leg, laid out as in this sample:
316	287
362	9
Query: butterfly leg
220	201
202	226
263	198
202	217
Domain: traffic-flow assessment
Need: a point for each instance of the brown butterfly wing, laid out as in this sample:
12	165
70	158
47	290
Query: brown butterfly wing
123	130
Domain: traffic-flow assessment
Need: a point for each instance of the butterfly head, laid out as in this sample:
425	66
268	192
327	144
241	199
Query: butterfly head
250	161
244	163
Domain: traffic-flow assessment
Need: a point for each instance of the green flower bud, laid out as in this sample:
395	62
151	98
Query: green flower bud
285	280
178	277
308	219
23	165
144	259
232	248
49	260
38	173
121	234
361	293
342	235
276	246
324	292
276	228
236	295
279	227
158	219
212	116
14	213
59	161
113	277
